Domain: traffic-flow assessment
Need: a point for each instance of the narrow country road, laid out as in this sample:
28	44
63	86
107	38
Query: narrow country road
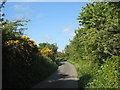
64	77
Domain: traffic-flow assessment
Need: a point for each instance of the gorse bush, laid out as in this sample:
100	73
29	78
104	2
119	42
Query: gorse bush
46	51
22	47
95	49
23	64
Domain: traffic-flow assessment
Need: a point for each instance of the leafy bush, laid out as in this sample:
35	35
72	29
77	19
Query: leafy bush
93	76
107	75
95	49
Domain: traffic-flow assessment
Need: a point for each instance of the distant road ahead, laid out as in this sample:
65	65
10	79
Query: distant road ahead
64	77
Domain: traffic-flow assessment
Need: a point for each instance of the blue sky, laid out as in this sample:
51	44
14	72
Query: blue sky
52	22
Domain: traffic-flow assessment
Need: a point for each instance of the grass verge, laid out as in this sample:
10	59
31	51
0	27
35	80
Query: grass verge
92	75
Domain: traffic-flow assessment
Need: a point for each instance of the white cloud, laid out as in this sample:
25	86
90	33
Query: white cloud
72	34
47	37
60	50
20	7
67	28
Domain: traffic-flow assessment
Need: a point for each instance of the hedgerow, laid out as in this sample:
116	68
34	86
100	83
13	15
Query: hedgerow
95	49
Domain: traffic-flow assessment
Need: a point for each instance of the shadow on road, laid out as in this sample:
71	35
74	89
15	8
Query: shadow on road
59	63
59	80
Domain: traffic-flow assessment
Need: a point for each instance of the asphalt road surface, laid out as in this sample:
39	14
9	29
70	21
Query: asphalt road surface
64	77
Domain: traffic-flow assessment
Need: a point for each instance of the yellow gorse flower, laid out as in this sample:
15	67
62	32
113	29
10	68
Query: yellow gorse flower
46	51
33	42
39	50
27	41
30	42
11	42
26	38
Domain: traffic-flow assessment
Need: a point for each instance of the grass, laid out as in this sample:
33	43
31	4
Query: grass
84	72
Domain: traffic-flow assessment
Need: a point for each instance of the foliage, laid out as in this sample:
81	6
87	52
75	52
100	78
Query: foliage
98	43
53	47
107	75
48	49
93	76
2	5
11	30
61	56
23	67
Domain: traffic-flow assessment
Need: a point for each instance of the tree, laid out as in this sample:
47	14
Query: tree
98	42
99	38
2	14
11	30
53	47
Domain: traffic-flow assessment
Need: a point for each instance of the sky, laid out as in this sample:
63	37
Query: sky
52	22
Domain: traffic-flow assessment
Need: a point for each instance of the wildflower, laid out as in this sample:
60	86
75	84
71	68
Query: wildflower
31	45
17	41
34	43
12	42
46	51
26	38
38	49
